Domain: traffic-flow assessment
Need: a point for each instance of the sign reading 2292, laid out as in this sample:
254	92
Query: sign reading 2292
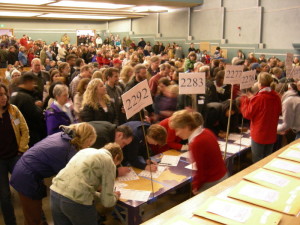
137	98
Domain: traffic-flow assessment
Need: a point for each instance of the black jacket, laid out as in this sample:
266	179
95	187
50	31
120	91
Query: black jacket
105	133
89	114
33	114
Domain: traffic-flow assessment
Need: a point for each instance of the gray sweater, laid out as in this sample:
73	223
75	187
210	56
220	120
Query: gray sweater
290	112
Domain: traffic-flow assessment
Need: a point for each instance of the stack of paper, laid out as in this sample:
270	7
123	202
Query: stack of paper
119	185
192	166
243	141
169	160
231	148
156	174
234	137
135	195
129	176
232	212
284	166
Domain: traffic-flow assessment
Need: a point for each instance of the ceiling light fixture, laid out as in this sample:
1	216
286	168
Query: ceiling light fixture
18	14
70	16
149	9
98	5
27	2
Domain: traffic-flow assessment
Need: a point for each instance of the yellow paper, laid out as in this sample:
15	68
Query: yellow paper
273	180
291	154
282	201
283	166
295	146
180	220
236	213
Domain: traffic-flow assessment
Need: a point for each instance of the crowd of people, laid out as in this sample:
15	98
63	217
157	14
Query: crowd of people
65	118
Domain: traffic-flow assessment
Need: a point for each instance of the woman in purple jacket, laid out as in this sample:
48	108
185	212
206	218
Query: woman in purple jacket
60	112
46	159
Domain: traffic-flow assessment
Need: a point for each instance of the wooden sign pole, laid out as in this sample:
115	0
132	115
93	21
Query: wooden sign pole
228	123
148	151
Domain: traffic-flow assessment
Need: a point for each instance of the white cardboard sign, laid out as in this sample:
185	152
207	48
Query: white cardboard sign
233	74
137	98
293	72
248	79
192	83
289	60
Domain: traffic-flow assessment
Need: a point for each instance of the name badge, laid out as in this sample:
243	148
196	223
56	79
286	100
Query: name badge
16	122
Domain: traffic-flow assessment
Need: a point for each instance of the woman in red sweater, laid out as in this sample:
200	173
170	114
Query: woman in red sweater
204	148
263	110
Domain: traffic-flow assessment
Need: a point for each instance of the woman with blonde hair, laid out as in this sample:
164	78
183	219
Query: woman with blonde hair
125	76
46	159
96	103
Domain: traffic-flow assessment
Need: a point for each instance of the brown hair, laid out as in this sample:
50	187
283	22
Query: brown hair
81	85
157	133
62	65
184	118
265	79
80	133
7	95
115	151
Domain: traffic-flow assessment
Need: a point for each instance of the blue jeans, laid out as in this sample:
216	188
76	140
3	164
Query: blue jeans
68	212
6	166
260	151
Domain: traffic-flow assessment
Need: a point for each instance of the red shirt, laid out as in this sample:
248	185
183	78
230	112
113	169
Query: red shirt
23	42
206	153
173	142
263	110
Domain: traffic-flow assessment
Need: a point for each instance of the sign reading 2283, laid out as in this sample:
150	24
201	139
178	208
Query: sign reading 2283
137	98
192	83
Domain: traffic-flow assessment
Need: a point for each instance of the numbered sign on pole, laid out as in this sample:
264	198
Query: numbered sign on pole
248	79
233	74
293	72
192	83
289	60
137	98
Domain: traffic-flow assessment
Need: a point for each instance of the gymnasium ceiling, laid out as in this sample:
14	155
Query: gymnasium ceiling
89	9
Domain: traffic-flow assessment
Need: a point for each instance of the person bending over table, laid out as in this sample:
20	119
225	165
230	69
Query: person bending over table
74	189
204	148
107	133
173	141
43	160
135	154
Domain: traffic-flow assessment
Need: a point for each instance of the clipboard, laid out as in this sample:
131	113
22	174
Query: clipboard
255	215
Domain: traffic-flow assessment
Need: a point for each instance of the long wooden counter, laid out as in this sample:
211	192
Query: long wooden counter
186	208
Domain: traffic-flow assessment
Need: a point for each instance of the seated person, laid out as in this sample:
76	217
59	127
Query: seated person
60	112
135	154
204	148
73	197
